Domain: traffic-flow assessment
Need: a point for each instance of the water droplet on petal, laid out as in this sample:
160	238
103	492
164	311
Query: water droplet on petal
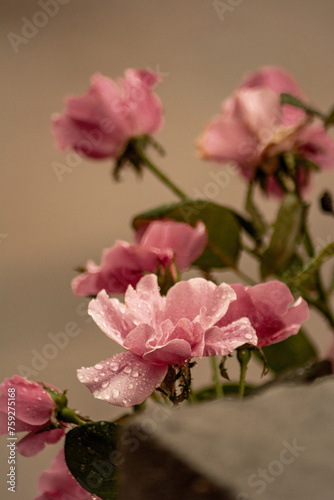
135	373
248	336
114	367
128	369
115	393
105	384
130	386
99	366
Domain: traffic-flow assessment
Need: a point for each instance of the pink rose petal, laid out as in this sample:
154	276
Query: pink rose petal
57	483
224	340
35	442
198	299
123	380
268	307
33	405
111	316
188	243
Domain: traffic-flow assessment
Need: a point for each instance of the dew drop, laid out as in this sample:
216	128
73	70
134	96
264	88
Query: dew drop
130	386
105	384
99	366
128	369
135	373
114	367
115	393
96	379
248	336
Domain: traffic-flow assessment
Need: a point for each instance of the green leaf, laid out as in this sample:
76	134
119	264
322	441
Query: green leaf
293	101
92	458
295	267
313	265
292	352
287	233
223	229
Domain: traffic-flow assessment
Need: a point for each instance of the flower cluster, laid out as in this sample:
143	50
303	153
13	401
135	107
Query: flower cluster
164	323
195	319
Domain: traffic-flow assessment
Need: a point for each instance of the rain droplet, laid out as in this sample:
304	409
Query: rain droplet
99	366
105	384
115	393
96	379
135	373
114	367
128	369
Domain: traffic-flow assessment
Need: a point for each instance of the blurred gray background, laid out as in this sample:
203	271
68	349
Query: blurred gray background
49	227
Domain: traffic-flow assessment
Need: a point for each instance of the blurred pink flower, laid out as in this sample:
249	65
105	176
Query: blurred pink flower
57	483
268	307
33	410
100	123
160	331
161	242
253	129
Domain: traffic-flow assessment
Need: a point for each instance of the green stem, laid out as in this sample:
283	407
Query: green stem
68	415
161	176
215	373
139	408
322	305
182	196
243	356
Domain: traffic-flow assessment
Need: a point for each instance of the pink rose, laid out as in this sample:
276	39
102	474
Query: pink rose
159	244
33	410
253	129
57	483
160	331
268	307
100	123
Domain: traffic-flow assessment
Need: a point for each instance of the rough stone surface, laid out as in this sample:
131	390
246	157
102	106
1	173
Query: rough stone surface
278	445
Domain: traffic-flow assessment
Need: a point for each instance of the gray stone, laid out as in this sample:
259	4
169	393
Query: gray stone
278	445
